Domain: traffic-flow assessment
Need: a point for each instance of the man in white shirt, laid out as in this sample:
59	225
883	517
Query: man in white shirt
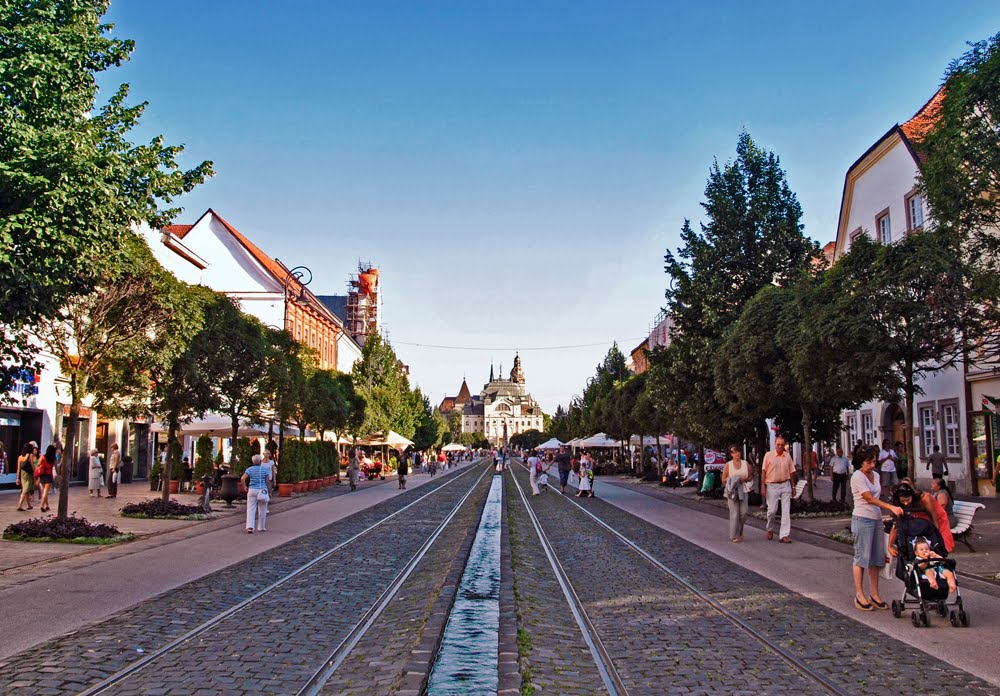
840	469
887	468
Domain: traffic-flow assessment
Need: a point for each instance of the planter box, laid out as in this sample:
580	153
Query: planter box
285	489
300	486
175	486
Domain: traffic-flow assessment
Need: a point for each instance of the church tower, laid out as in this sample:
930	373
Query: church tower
517	374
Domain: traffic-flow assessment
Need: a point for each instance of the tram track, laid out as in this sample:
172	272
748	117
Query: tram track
606	663
300	584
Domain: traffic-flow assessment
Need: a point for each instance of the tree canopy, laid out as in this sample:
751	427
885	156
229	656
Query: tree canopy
71	184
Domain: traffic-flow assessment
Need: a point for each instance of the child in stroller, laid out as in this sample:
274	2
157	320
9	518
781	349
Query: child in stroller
921	557
922	550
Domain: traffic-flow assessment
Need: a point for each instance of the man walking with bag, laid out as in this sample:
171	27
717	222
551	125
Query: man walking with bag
778	478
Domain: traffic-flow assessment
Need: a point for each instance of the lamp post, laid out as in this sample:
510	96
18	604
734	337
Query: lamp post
303	276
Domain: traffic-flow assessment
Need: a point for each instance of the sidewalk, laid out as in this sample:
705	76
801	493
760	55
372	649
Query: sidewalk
984	563
19	556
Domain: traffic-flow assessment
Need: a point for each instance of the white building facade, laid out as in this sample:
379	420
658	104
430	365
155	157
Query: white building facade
880	200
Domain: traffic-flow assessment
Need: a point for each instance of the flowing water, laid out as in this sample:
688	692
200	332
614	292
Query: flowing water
467	660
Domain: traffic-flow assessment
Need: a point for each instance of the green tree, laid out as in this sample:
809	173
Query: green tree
752	238
432	428
960	168
380	378
106	338
71	184
235	368
931	309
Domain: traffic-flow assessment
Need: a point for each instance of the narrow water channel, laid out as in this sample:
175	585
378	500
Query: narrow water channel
467	660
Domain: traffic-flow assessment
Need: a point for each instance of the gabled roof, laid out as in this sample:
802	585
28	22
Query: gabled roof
274	267
179	231
911	134
463	394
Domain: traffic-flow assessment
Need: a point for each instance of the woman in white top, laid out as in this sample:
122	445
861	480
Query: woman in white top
96	480
736	468
869	532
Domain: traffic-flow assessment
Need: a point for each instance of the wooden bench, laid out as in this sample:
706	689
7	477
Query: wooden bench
964	512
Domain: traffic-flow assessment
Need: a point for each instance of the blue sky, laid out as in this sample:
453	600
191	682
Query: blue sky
518	169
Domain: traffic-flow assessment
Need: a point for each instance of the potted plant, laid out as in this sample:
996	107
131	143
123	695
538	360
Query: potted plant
154	475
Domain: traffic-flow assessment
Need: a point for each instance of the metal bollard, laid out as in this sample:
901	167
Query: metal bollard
206	502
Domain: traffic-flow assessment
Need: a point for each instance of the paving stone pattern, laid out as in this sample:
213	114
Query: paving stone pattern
390	652
663	639
266	637
557	661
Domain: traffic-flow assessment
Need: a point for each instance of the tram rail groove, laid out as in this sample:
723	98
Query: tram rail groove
108	682
605	665
319	679
798	665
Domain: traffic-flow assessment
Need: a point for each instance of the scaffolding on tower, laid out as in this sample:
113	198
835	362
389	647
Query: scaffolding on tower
363	302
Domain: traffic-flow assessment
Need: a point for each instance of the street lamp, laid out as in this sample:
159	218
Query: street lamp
303	276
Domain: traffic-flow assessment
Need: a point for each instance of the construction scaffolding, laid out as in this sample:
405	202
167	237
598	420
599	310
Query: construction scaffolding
363	302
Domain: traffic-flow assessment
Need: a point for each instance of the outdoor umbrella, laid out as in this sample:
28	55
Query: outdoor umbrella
552	444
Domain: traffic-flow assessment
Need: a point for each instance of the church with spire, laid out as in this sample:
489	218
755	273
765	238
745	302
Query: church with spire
502	409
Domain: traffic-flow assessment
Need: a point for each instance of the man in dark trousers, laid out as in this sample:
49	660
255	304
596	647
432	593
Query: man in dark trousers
563	462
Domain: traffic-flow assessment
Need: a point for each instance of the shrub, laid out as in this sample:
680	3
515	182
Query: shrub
72	529
158	509
203	456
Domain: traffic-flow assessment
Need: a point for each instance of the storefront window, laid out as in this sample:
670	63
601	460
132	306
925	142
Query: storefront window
982	449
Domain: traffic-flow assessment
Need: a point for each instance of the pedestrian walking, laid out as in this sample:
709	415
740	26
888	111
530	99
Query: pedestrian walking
534	470
564	466
840	473
43	475
26	476
937	464
402	471
96	481
270	467
869	532
3	460
736	477
887	468
257	480
778	476
188	481
114	471
354	470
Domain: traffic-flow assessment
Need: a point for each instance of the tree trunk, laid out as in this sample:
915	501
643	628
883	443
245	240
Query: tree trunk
235	440
173	425
909	391
68	459
659	459
807	494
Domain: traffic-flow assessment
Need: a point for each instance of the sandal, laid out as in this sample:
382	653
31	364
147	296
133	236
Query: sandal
249	531
877	604
21	509
863	606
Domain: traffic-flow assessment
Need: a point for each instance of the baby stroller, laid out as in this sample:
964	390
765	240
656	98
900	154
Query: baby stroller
910	569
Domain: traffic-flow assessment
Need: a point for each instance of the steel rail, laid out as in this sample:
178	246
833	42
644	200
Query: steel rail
319	678
792	661
605	665
148	659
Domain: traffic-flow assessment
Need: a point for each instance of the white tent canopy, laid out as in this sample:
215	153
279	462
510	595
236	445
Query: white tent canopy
598	440
216	425
552	444
454	447
392	439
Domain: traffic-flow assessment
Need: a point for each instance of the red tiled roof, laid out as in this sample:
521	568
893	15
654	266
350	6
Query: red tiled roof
275	268
923	121
463	394
179	231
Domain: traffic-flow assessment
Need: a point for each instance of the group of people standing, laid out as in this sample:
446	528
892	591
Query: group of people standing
539	466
